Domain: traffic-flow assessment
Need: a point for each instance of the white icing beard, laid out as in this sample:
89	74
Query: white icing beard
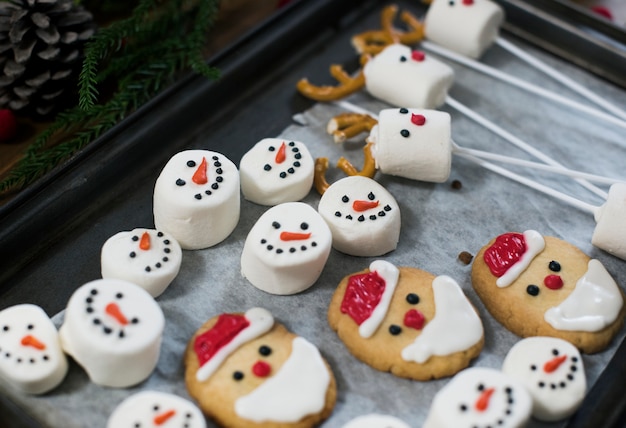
153	269
152	408
298	389
395	77
552	371
268	180
197	215
287	249
455	327
468	29
31	358
115	351
413	143
368	233
594	303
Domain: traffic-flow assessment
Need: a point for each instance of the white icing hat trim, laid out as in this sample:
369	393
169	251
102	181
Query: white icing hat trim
390	274
535	244
455	327
261	321
593	304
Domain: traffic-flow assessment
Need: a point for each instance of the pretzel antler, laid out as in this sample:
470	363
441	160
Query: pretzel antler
369	164
348	125
347	85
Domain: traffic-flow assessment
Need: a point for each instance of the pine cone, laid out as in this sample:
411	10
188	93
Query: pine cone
41	45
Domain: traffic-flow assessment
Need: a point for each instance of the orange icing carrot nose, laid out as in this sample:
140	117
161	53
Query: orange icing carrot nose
199	177
144	244
161	418
294	236
280	155
114	310
483	401
29	340
554	363
364	205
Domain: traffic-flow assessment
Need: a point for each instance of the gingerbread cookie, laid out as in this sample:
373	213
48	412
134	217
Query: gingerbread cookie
406	321
245	370
542	286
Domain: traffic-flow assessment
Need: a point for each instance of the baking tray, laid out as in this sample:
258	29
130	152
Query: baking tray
50	236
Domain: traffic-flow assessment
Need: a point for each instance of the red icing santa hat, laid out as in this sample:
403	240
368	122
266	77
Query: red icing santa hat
368	295
511	253
229	332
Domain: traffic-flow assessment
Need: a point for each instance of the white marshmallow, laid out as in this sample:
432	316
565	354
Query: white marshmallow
552	371
376	421
413	143
610	232
480	397
113	329
406	78
146	257
198	212
152	408
363	216
276	171
467	27
286	250
31	358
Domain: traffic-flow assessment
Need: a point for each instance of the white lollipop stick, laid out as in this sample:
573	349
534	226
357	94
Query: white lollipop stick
464	151
516	141
522	84
560	77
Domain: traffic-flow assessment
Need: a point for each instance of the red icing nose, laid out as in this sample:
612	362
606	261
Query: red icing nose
553	282
115	311
294	236
144	243
360	206
261	369
468	2
483	401
554	363
162	418
33	341
281	154
199	177
418	56
414	319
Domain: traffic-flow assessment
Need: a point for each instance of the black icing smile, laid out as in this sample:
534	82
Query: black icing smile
107	327
219	178
295	245
362	217
13	353
290	169
167	250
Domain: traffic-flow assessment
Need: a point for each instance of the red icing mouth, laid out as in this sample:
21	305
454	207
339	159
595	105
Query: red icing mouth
483	401
414	319
360	206
33	341
162	418
261	369
114	310
553	282
294	236
200	177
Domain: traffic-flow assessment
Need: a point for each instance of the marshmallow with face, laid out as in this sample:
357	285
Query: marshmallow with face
276	171
286	250
406	321
156	409
376	421
552	371
31	358
146	257
113	329
467	27
245	369
610	231
406	78
413	143
480	397
197	198
542	286
363	216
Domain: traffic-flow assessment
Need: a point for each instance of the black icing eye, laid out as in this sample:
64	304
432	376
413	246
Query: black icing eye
271	148
413	298
533	367
395	329
404	110
533	290
265	350
155	407
93	292
137	425
405	133
119	295
180	182
480	387
554	266
451	2
135	238
237	375
402	58
304	226
463	408
345	199
30	326
5	328
555	352
371	196
191	163
276	225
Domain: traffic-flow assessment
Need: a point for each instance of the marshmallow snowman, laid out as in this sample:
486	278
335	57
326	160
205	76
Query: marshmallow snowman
287	248
413	143
31	358
363	216
146	257
552	371
402	77
261	372
197	198
156	409
480	397
467	27
276	171
113	329
610	231
376	421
